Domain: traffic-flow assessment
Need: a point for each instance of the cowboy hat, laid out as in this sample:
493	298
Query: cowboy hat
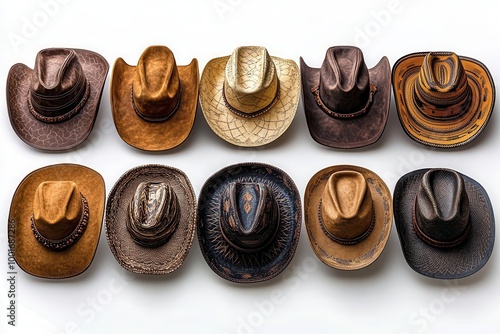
54	106
442	100
348	216
154	103
55	220
249	98
150	219
444	221
346	104
249	218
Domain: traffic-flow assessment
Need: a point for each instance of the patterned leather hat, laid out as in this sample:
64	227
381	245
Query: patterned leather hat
150	219
249	98
346	104
54	106
443	100
348	215
445	223
249	218
154	103
55	220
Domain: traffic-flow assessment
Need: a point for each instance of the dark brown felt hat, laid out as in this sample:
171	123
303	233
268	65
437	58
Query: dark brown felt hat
444	221
54	106
346	104
442	100
249	218
55	220
154	103
150	219
348	216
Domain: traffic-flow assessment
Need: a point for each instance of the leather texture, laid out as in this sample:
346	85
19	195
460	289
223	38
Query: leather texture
154	103
31	255
164	257
252	260
443	100
348	216
265	89
341	111
67	133
438	202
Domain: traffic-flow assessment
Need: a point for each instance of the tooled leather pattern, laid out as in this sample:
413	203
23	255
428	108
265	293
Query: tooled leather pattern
62	135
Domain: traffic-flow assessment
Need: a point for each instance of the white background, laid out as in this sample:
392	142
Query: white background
386	297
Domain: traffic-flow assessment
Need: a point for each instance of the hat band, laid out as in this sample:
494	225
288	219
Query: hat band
439	108
32	106
73	237
341	240
328	111
156	119
438	243
253	113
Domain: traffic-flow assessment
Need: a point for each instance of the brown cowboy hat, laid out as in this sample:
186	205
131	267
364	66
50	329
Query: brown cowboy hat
348	216
154	103
150	219
346	104
444	221
249	98
443	100
249	218
54	106
55	220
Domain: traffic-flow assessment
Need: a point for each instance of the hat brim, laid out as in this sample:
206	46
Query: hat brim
447	133
363	253
225	260
146	135
55	136
144	260
347	133
254	131
444	263
33	257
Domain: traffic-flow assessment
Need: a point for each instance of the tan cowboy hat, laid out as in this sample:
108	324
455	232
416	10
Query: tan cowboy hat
55	220
54	106
442	99
249	98
151	219
154	103
346	104
348	216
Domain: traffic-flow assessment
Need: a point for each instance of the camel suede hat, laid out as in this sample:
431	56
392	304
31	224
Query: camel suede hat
249	98
154	103
443	100
346	104
348	216
55	220
444	221
150	219
54	106
249	218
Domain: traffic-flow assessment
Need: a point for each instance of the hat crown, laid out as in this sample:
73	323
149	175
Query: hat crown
57	209
344	84
442	85
58	85
346	207
442	208
154	214
249	216
156	89
251	82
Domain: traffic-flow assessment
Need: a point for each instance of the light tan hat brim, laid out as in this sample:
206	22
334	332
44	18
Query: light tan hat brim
255	131
153	136
33	257
348	257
